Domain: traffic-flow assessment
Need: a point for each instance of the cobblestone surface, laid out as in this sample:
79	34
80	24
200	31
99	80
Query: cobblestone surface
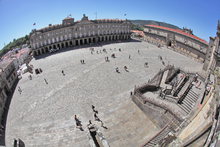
43	114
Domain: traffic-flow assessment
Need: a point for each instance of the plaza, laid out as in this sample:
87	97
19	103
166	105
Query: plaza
43	114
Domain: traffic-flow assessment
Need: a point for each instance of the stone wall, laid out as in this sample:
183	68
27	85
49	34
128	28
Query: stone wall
156	114
183	43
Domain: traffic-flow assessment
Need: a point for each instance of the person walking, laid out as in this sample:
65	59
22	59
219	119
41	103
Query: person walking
63	73
45	81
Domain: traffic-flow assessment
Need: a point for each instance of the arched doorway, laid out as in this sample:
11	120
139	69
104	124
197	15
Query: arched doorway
94	40
66	44
90	40
46	49
54	46
85	41
42	51
71	43
77	42
62	45
169	43
81	42
58	46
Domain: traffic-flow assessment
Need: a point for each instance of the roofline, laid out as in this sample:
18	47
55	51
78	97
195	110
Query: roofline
179	32
59	26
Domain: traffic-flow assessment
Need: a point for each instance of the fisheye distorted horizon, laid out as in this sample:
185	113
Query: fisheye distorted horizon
18	16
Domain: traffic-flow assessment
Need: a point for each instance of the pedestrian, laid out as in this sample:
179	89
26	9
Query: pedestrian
45	81
63	73
19	89
95	111
102	125
129	57
138	51
30	77
78	123
96	117
90	122
117	70
93	107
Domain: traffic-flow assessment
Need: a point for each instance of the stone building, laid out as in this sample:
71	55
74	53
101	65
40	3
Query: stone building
213	55
71	33
182	40
8	78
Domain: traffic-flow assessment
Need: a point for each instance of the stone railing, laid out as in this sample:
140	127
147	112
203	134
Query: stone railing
167	106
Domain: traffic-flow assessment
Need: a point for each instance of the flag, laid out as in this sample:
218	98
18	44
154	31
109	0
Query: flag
34	24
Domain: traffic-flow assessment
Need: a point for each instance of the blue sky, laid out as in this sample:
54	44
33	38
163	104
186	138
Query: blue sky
17	16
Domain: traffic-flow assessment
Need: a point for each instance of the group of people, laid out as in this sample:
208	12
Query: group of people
19	89
107	59
89	125
82	61
125	68
97	118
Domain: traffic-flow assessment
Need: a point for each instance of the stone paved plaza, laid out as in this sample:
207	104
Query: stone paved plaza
43	114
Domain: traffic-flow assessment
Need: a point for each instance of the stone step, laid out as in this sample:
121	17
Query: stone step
192	96
189	99
187	105
193	93
186	110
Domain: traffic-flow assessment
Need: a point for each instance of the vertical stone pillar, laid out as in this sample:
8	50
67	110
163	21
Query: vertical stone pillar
40	51
74	42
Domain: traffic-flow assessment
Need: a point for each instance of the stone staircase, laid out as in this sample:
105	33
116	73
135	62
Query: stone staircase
158	137
188	102
183	85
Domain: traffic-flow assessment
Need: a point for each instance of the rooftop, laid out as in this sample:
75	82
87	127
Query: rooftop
179	32
5	63
56	26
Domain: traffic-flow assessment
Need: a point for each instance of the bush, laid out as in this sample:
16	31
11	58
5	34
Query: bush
17	43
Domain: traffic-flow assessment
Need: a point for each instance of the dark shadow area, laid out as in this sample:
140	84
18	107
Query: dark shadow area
5	113
93	134
169	43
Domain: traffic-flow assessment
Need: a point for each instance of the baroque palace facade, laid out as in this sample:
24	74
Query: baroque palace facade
71	33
